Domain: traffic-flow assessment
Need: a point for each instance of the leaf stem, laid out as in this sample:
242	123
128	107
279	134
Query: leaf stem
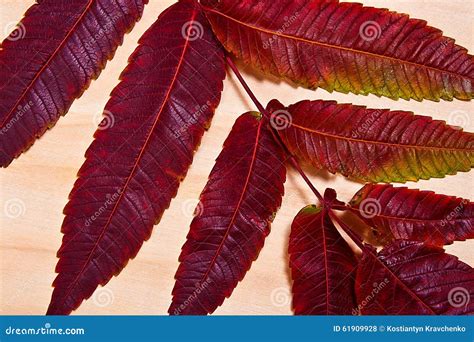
262	110
244	84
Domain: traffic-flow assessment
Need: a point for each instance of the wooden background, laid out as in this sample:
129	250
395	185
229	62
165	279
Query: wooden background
39	182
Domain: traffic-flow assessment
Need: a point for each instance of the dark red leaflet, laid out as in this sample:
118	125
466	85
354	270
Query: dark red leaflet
401	213
344	46
237	205
160	111
322	265
411	278
373	145
50	59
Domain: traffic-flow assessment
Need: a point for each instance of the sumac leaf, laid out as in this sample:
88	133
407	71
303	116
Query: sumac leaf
322	265
411	278
159	113
374	145
344	47
58	48
401	213
236	207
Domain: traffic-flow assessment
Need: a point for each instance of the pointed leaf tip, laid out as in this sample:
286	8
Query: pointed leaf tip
134	167
244	191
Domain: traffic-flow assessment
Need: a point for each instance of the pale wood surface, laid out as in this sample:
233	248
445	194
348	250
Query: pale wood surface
42	178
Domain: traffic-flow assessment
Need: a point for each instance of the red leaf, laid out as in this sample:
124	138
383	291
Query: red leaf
133	169
344	47
243	193
50	59
375	145
401	213
411	278
322	265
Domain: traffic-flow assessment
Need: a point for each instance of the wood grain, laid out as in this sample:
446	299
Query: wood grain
40	181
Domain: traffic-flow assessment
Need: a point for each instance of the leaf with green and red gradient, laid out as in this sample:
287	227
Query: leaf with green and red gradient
48	61
133	169
345	47
374	145
401	213
411	278
236	207
322	265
